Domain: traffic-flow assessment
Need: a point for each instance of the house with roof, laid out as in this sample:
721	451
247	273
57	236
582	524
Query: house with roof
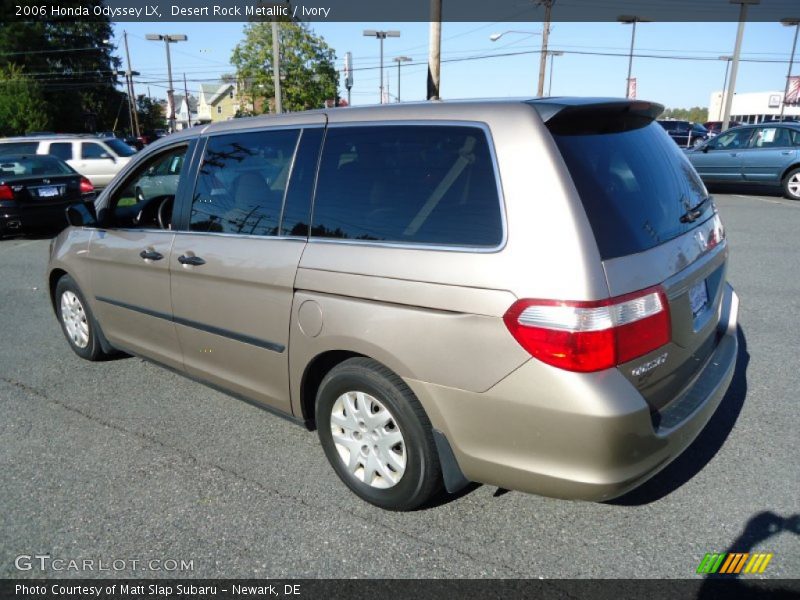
217	102
185	111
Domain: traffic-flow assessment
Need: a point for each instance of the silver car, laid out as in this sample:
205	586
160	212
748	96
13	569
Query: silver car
528	294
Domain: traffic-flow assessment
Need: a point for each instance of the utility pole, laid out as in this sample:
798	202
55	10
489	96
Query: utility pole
188	105
726	115
348	75
548	7
276	65
381	35
435	51
796	24
131	91
727	60
169	39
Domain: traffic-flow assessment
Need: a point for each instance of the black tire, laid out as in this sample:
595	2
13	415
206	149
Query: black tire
421	480
792	178
92	350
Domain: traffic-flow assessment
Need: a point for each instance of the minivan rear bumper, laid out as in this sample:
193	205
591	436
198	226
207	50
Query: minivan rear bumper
577	435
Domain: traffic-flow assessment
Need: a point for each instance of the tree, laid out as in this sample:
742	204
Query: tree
695	114
151	115
22	105
308	74
71	61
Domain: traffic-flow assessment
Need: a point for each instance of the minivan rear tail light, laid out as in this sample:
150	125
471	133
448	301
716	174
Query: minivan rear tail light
86	186
6	193
591	336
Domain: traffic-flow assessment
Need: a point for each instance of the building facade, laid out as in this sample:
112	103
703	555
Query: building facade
753	107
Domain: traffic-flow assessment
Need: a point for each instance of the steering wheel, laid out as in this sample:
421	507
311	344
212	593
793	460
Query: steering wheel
165	213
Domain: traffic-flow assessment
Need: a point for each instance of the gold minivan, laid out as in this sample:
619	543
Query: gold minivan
530	294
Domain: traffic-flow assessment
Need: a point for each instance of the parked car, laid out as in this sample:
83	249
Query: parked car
765	155
685	133
714	127
97	159
35	192
528	294
159	180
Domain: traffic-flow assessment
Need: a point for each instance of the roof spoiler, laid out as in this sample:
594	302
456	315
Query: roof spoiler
593	118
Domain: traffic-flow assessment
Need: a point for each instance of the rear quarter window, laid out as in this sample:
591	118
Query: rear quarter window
19	148
410	184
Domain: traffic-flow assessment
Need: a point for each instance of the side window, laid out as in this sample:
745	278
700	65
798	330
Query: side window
412	184
733	139
19	148
145	200
771	137
241	182
297	208
62	150
794	136
90	150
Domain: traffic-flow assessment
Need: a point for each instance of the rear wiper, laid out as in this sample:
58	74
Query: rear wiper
691	215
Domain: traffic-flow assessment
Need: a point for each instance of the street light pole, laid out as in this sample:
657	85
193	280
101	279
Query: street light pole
789	23
381	35
727	60
400	60
630	20
168	39
726	115
496	36
553	54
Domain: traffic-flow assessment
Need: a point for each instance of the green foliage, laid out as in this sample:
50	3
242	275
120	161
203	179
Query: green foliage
695	114
22	105
308	75
150	113
68	60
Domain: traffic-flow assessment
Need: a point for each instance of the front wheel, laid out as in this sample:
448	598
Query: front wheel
377	436
76	320
791	184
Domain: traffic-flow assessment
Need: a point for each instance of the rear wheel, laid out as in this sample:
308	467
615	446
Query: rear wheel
377	436
791	184
76	320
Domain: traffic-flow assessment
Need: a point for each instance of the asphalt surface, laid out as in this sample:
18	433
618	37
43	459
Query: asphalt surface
123	460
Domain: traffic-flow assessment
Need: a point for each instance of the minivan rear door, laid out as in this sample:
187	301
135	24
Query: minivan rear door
654	224
236	254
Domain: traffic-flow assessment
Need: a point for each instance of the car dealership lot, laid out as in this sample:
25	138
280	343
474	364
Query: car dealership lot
125	460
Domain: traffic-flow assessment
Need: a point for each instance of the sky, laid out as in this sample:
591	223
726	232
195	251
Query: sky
675	82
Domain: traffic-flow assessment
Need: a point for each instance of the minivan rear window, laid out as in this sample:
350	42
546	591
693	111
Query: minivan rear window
635	186
431	184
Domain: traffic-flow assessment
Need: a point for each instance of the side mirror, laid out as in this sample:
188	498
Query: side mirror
82	215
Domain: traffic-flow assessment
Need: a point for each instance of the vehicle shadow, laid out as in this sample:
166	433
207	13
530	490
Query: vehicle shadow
758	529
705	447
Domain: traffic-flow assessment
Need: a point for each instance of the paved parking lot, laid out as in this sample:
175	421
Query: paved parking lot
124	460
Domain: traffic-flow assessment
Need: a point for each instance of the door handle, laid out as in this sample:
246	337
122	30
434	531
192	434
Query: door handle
733	154
191	260
787	152
151	255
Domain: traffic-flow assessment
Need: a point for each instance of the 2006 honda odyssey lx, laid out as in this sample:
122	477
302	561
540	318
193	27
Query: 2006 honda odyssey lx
529	294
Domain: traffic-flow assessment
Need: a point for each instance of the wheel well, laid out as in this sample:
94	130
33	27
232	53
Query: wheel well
786	171
314	374
55	275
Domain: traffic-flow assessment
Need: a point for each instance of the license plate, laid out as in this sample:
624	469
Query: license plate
698	297
48	192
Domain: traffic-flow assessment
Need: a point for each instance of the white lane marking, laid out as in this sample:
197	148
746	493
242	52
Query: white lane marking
770	200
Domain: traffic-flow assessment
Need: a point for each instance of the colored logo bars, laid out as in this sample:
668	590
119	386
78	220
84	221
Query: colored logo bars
733	562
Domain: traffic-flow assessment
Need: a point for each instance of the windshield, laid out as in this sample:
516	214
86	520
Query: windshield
636	187
119	147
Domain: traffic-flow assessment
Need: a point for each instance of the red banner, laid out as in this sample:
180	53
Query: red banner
793	92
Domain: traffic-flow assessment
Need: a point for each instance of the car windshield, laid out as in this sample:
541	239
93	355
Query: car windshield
34	165
119	147
636	187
